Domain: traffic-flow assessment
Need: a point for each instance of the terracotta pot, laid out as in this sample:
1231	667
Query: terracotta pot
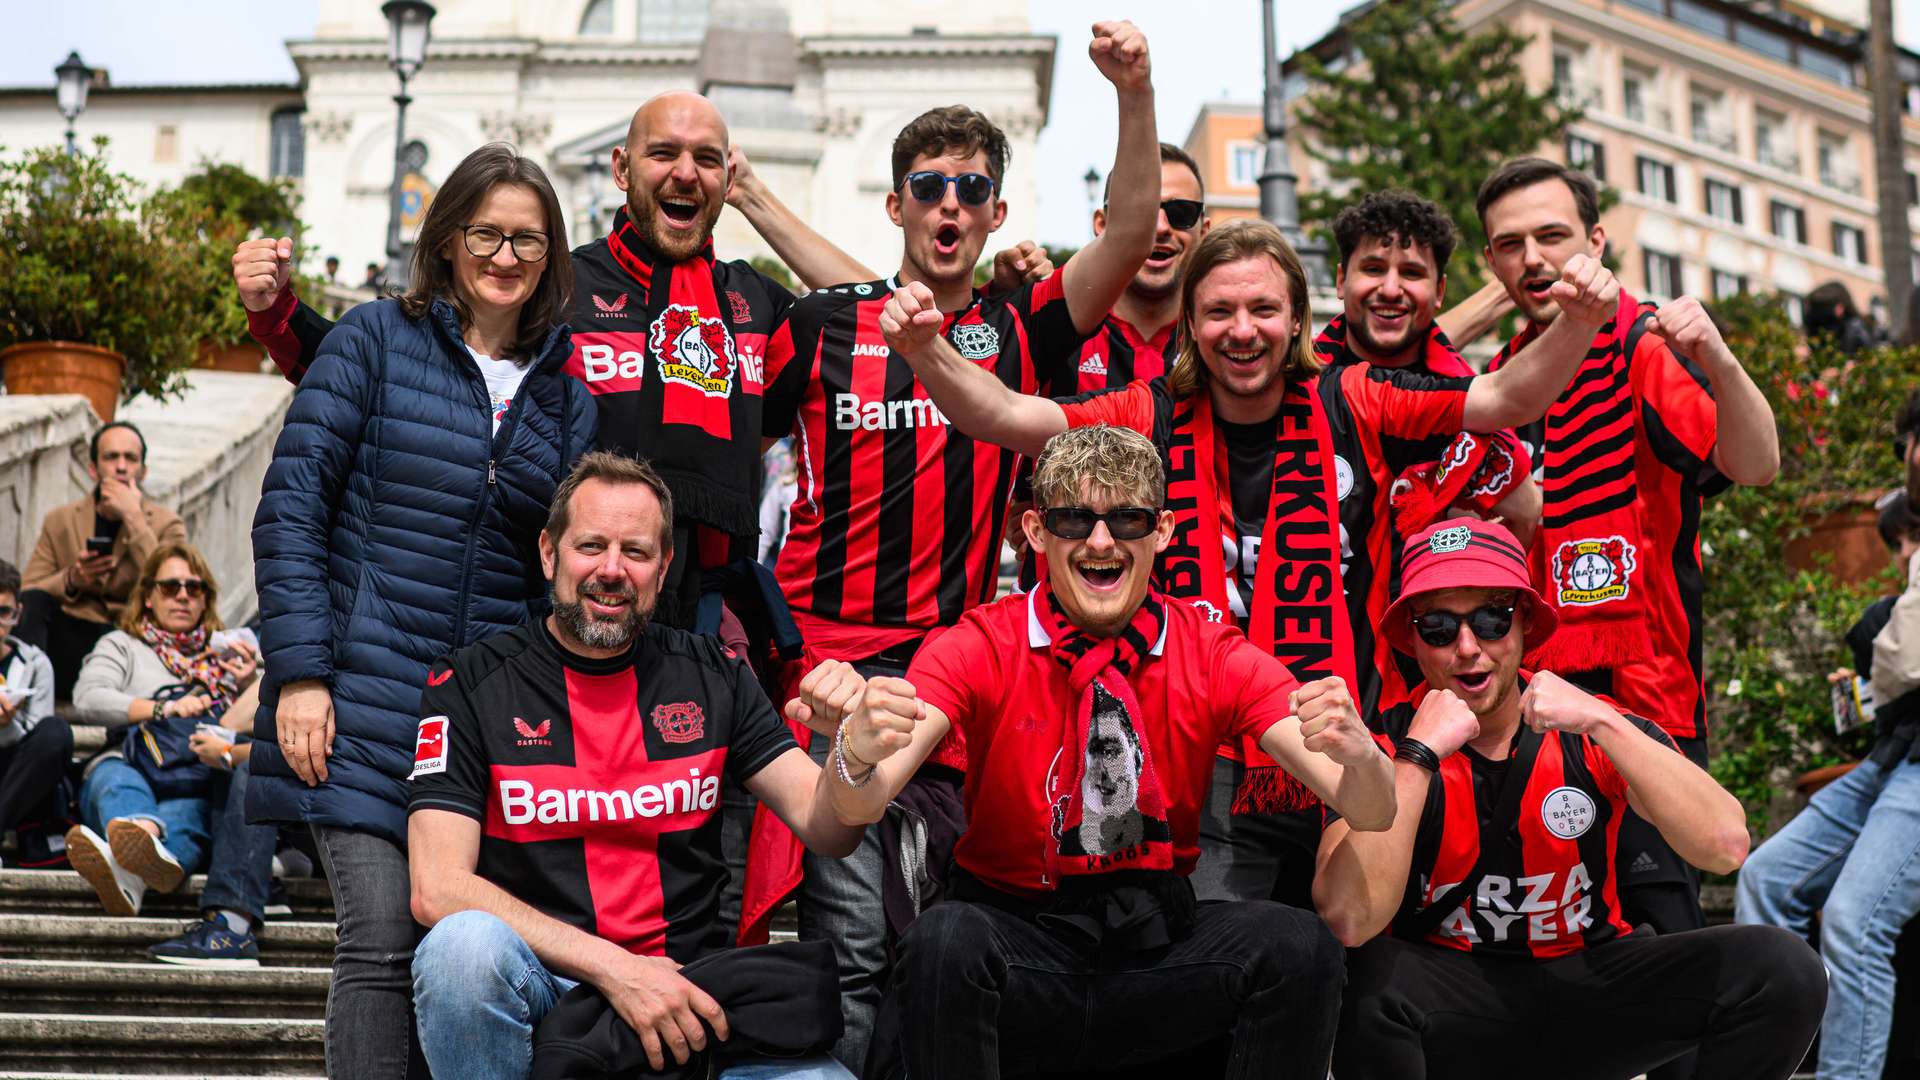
245	357
1851	535
65	367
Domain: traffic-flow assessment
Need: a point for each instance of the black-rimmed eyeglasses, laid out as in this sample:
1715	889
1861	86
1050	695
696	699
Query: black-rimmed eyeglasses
484	241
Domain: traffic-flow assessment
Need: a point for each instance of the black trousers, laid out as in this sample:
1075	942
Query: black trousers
983	993
66	640
30	772
1747	997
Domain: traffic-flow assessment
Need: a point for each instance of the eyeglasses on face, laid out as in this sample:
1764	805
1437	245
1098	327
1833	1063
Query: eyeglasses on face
483	241
174	586
8	613
1439	628
1123	522
973	189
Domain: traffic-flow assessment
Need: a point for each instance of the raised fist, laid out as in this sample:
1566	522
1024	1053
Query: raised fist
1443	722
1329	723
1688	331
1551	703
1586	291
825	696
910	321
882	726
1021	264
1119	50
261	269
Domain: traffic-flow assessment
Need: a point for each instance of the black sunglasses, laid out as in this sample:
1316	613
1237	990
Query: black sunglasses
1123	522
175	586
1439	628
1182	214
973	189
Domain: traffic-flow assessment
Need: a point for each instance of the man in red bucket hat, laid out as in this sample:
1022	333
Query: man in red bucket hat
1506	953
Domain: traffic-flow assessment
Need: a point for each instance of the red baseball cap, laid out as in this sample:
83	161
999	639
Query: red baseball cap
1464	553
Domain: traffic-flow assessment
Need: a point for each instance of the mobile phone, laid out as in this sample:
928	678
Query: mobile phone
99	545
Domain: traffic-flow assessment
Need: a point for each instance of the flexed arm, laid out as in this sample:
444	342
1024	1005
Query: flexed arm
980	406
813	258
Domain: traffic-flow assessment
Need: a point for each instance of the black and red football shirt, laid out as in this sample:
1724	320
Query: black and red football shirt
1674	432
597	782
897	520
1549	888
1119	353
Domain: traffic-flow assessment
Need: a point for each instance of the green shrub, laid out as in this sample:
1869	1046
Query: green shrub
206	217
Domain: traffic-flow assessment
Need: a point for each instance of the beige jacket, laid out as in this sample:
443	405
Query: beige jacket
64	536
1896	648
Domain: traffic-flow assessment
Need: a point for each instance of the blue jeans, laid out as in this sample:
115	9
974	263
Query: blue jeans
369	999
841	902
240	870
1854	855
114	790
480	991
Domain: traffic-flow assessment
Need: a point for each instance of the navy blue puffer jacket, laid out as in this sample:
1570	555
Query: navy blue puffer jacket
394	527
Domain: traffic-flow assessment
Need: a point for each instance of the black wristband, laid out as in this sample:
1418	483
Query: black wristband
1417	753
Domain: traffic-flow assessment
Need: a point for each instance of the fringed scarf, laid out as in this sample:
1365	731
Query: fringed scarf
1113	815
1589	536
187	657
1299	612
1474	473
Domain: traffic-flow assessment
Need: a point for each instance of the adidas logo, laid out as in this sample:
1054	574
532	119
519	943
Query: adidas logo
1643	864
1094	365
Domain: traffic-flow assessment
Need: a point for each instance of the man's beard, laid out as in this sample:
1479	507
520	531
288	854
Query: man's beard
1357	330
675	249
595	632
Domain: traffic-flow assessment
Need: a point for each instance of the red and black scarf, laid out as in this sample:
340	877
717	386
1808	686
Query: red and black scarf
692	416
1111	813
1589	544
1299	612
1437	357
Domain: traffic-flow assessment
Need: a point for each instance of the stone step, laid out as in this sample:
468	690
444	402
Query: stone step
65	892
103	937
76	1043
155	989
9	1074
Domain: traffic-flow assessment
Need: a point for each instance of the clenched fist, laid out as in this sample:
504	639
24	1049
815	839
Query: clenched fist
1021	264
910	320
1444	723
825	696
1687	329
1586	291
1551	703
883	724
261	269
1119	50
1329	723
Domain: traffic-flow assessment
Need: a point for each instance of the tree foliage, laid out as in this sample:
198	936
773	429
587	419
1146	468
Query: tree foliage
1426	107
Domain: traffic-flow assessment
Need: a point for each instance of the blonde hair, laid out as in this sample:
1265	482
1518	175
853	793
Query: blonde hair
1099	457
136	608
1230	243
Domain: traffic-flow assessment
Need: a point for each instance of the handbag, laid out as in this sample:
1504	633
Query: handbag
158	750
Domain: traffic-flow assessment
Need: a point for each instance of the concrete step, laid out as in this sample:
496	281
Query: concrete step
9	1074
65	892
76	1043
155	989
101	937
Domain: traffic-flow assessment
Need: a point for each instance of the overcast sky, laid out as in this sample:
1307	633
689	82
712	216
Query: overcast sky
1203	50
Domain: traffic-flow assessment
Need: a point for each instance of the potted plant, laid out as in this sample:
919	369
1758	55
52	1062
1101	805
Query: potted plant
94	300
205	218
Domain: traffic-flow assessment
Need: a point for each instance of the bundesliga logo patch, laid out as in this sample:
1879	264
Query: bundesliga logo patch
679	722
1447	541
430	748
694	351
976	341
1593	571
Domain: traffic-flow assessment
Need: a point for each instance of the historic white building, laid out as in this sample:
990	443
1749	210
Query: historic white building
814	91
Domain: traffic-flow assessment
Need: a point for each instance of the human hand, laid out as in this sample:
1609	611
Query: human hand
1551	703
303	723
1119	50
742	178
1329	722
661	1007
1021	264
191	705
1688	330
883	724
261	269
89	571
7	709
910	321
826	695
1586	291
211	749
1840	675
241	662
119	499
1443	723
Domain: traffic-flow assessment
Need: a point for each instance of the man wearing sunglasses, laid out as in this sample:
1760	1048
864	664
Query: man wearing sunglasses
1090	708
896	530
1506	953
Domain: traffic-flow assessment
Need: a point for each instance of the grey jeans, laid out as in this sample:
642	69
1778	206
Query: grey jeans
370	1026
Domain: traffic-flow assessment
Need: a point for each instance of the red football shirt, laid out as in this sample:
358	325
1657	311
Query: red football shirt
995	677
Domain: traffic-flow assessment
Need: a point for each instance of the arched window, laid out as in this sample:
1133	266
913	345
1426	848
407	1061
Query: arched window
597	20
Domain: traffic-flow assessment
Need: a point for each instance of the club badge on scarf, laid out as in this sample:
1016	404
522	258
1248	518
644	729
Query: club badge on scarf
1474	473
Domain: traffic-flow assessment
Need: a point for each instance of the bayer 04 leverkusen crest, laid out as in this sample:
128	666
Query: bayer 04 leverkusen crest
1593	571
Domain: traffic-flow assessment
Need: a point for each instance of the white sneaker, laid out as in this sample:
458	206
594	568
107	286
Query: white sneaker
140	851
120	890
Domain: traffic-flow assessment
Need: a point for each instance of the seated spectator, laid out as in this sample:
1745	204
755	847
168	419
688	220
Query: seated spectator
1091	708
1851	855
1831	313
150	805
90	551
1507	953
35	745
615	879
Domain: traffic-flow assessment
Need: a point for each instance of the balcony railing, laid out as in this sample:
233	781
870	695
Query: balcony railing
1784	160
1718	138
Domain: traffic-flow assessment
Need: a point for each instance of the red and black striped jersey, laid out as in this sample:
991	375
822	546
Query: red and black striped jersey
1675	430
1549	889
1117	354
1366	408
897	520
597	782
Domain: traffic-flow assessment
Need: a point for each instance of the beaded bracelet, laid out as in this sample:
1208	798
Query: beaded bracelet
840	756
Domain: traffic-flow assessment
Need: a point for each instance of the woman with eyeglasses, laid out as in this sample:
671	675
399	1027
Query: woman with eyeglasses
152	809
400	521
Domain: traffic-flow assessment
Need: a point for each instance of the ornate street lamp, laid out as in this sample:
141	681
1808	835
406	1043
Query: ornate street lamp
407	32
1092	180
1279	201
70	94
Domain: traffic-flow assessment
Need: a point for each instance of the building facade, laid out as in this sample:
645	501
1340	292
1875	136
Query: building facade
814	91
1736	135
1230	146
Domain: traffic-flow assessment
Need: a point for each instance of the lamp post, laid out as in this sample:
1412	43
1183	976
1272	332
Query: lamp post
407	27
1092	180
1279	202
70	93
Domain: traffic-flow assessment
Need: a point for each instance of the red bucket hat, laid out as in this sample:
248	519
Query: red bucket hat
1464	553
